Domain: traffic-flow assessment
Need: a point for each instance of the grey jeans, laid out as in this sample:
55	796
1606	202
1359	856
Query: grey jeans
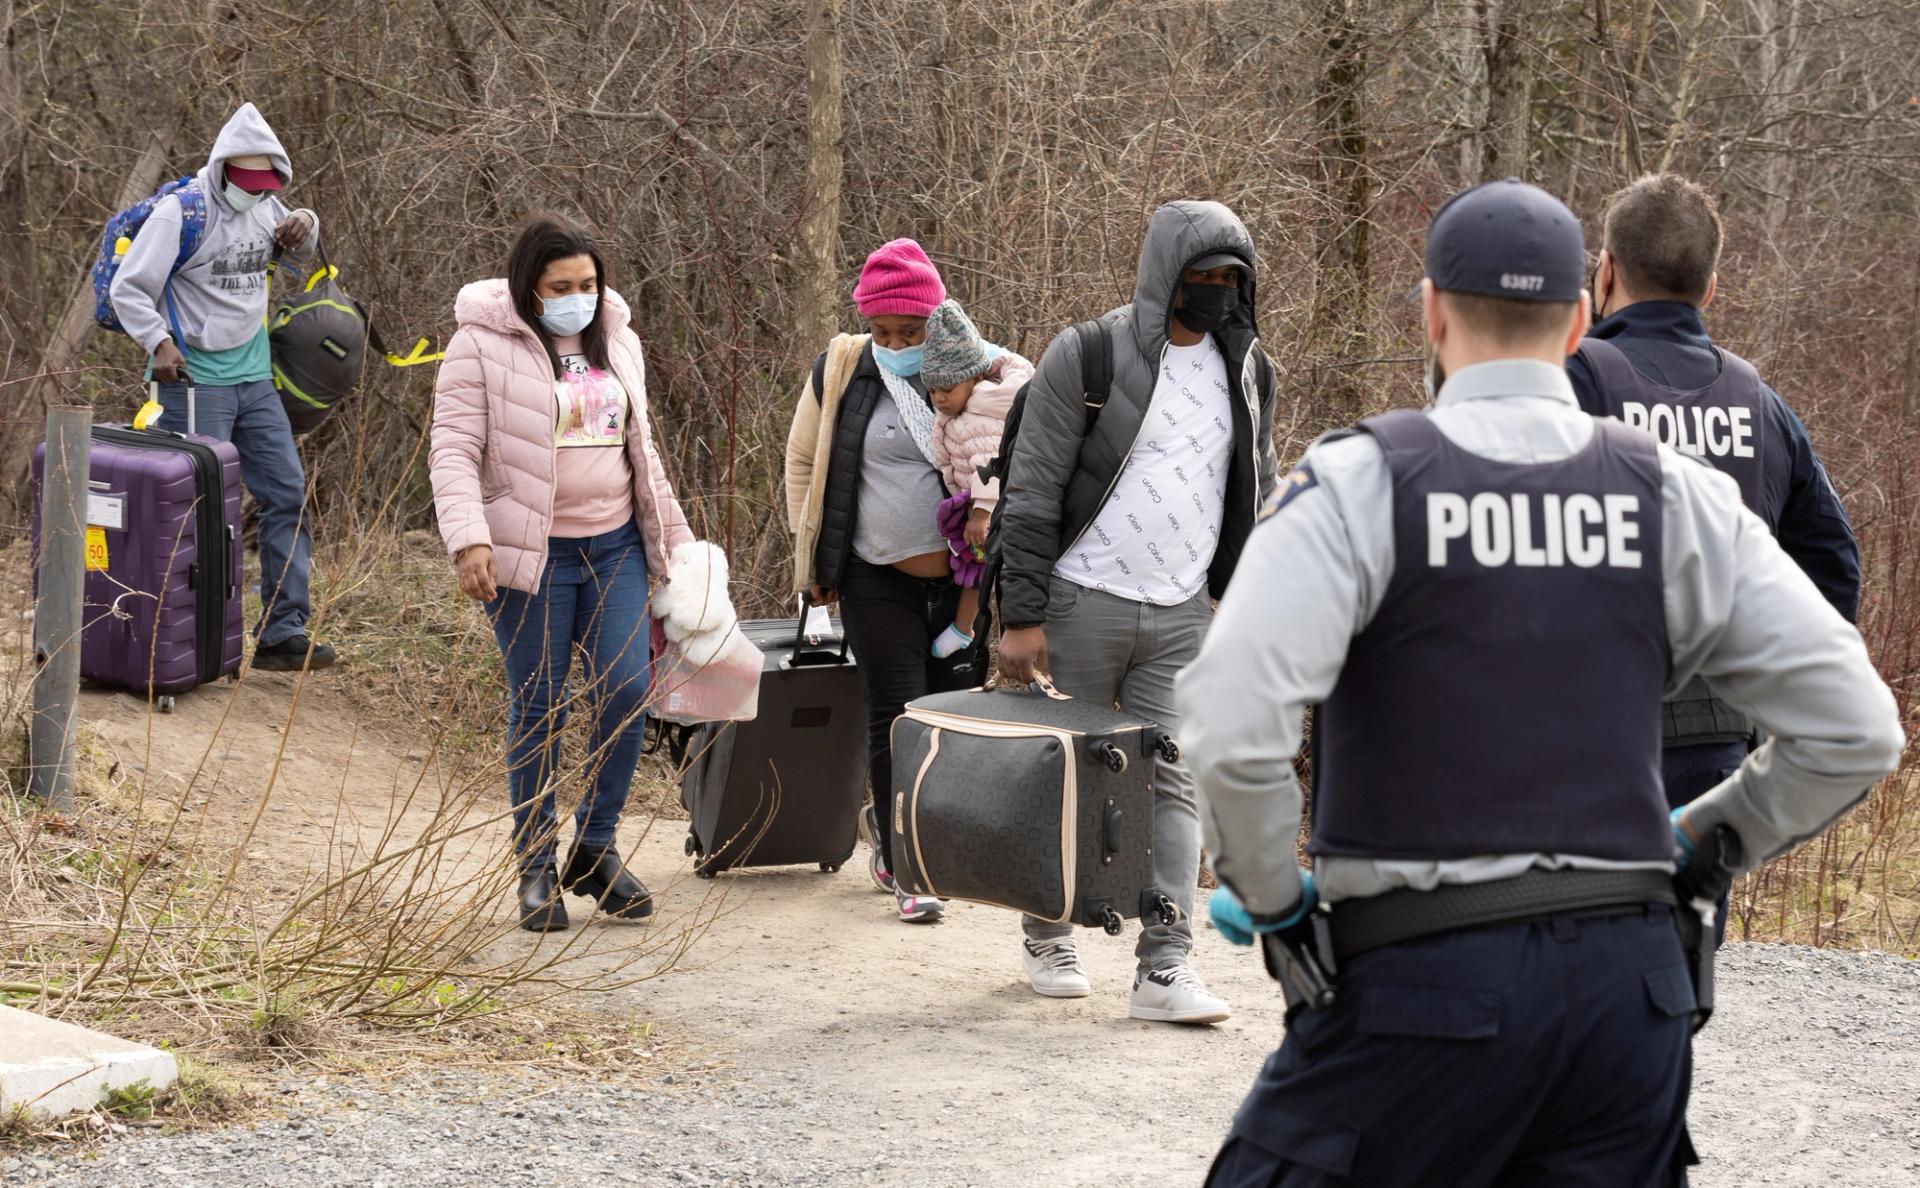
1112	650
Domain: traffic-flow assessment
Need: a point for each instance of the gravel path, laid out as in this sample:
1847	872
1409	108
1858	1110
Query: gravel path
838	1047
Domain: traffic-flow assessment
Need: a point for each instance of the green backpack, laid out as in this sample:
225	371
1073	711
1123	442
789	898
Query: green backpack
319	340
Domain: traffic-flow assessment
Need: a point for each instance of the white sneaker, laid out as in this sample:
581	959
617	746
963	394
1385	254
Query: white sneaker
1175	995
1053	966
919	909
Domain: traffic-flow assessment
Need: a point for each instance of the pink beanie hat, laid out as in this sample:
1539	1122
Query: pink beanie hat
899	279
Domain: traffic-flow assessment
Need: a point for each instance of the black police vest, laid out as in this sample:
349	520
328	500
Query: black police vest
1505	699
1723	424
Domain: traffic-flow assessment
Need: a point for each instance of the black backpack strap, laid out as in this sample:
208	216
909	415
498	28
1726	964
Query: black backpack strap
1096	366
820	378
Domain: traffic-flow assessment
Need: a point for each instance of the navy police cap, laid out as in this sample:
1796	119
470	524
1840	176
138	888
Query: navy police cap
1507	239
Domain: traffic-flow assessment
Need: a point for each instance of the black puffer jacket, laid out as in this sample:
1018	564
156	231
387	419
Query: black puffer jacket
840	507
1059	473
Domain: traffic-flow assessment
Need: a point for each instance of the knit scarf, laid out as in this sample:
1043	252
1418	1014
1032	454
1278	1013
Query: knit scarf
915	412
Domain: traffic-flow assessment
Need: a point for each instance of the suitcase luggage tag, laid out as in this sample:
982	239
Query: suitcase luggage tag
816	622
814	626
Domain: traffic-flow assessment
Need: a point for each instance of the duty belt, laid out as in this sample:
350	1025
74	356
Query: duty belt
1358	925
1696	717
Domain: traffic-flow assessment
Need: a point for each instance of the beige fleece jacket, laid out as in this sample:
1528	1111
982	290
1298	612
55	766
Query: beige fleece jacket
810	445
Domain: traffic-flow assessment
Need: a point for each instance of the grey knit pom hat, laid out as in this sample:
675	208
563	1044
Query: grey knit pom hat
954	351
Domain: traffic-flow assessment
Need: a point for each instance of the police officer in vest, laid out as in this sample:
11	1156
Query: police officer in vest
1486	601
1649	362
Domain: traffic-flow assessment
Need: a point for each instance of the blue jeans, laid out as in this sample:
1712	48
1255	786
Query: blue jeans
251	416
592	596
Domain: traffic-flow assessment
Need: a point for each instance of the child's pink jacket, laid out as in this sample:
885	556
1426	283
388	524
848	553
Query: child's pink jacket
962	444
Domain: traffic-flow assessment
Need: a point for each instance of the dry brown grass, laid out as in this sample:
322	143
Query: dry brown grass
148	911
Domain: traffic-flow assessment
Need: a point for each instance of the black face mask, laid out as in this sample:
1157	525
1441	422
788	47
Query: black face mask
1207	307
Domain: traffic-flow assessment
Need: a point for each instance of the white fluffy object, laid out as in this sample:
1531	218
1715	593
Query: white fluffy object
705	647
694	608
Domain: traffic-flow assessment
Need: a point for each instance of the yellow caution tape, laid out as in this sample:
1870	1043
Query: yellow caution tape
416	356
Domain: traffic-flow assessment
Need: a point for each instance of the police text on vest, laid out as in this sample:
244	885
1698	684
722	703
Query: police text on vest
1709	431
1580	530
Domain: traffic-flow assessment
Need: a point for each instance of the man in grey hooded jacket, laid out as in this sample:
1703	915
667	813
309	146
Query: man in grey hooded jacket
1118	530
204	328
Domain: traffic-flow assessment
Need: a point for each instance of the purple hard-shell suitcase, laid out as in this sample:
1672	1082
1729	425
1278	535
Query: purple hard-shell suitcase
165	613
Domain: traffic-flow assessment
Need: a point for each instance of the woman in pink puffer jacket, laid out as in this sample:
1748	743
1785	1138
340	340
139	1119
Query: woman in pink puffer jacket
972	384
557	513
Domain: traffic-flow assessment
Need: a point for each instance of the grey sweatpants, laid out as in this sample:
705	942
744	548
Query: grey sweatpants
1110	650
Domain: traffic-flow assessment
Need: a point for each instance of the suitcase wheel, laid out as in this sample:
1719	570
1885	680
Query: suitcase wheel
164	703
705	872
1112	756
692	846
1168	749
1156	906
834	866
1110	921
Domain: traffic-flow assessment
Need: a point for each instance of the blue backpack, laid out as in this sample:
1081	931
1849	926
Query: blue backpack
118	238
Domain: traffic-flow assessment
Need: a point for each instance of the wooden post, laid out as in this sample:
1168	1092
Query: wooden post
58	607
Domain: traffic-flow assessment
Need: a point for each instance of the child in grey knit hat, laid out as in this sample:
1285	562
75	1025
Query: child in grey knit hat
972	384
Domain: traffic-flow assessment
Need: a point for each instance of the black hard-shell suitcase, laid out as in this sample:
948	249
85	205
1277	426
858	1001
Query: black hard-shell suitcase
1028	801
787	786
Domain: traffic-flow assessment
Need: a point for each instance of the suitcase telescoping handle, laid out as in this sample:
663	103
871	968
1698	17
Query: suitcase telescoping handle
145	419
800	636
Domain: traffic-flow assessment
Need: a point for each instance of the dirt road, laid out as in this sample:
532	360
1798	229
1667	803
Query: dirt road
836	1045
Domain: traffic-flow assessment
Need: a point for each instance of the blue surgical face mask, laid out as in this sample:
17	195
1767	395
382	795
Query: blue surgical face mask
563	316
240	200
903	362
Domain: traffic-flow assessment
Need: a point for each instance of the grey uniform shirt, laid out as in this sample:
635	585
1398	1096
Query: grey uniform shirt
1739	613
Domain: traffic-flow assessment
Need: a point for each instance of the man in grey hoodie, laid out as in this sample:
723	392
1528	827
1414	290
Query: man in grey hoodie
204	328
1118	530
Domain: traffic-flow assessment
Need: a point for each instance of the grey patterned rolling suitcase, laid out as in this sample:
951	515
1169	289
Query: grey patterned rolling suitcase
1028	801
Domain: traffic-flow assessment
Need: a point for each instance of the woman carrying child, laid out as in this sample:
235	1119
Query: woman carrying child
862	492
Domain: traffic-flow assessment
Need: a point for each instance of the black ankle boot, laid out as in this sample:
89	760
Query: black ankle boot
598	874
541	908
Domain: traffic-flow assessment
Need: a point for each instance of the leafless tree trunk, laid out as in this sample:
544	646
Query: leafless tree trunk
820	231
1910	397
18	260
1619	93
1340	318
1505	27
63	346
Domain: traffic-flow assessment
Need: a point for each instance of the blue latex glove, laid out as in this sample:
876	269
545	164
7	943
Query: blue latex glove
1682	844
1231	919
